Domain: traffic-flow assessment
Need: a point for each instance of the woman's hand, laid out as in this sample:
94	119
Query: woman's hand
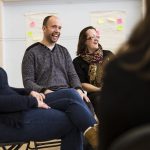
41	104
38	96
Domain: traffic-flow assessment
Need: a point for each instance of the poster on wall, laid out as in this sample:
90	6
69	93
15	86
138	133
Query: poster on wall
111	28
34	22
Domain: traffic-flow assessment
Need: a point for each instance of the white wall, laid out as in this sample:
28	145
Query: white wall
1	33
74	17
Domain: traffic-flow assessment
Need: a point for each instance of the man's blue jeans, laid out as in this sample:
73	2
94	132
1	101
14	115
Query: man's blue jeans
67	118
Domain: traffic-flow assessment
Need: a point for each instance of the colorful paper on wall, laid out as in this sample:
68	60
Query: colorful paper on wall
111	19
34	26
100	20
29	34
119	21
111	25
120	27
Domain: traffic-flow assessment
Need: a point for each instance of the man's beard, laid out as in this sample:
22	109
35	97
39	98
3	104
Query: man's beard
51	39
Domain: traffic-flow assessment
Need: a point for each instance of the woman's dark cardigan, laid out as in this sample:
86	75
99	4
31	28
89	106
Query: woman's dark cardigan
13	101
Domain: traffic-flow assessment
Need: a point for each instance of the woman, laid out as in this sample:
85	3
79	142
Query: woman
20	120
89	63
125	100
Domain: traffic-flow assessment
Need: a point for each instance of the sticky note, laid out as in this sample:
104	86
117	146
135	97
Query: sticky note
30	34
111	19
36	38
120	27
32	24
119	21
100	20
97	33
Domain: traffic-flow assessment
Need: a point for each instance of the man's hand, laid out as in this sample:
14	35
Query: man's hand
38	96
48	91
83	95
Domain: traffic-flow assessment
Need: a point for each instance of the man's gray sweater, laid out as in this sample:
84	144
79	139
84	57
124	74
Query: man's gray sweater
45	68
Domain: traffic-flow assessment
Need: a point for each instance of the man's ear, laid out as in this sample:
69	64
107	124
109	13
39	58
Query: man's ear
43	28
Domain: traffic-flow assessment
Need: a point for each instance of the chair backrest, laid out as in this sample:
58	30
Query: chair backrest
135	139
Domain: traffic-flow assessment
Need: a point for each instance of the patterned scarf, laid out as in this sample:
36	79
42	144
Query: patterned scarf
95	71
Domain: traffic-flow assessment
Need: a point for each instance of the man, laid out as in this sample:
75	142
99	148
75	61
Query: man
47	66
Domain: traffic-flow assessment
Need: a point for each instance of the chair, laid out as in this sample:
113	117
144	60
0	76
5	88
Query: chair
13	145
35	145
135	139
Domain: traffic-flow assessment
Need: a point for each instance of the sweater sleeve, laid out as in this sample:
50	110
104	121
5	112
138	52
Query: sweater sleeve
28	72
22	91
15	103
81	69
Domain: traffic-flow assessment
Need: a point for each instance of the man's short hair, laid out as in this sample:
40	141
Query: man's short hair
46	20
